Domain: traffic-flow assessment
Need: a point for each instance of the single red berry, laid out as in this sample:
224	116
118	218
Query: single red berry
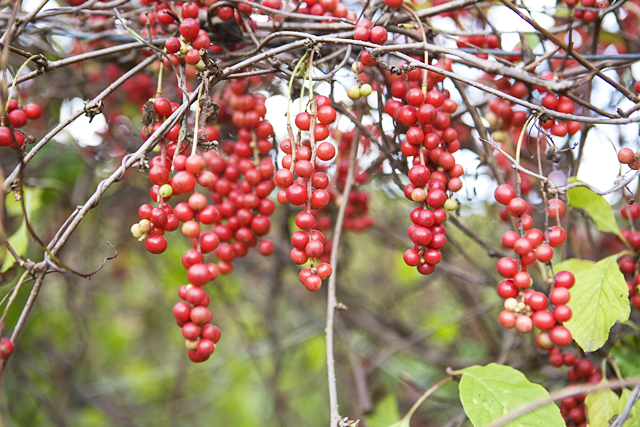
507	319
189	28
155	244
6	348
544	253
507	267
562	313
506	289
557	236
504	194
561	336
32	111
564	279
543	320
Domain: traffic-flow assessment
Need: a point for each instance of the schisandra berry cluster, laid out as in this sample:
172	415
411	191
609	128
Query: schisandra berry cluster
17	118
572	408
193	42
524	307
307	188
238	186
431	142
631	211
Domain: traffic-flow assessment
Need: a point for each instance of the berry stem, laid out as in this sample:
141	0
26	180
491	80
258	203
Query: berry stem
15	80
292	138
159	90
425	73
195	127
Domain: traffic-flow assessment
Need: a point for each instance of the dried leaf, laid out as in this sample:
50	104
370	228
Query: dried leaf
527	54
148	114
209	111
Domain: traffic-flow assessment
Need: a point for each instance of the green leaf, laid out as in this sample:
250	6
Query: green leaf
598	299
488	393
574	264
595	206
626	355
18	241
602	407
634	416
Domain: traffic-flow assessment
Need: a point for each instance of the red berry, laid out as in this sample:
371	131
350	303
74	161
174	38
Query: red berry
6	348
562	313
326	151
543	320
32	111
625	155
18	118
507	319
556	208
557	236
326	115
633	209
544	253
559	296
561	336
517	207
507	267
189	28
504	194
564	279
155	244
506	289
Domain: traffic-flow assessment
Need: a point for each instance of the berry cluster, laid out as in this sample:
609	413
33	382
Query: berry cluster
588	15
307	188
490	42
193	42
17	118
630	211
561	105
628	266
333	8
525	308
237	184
572	408
431	142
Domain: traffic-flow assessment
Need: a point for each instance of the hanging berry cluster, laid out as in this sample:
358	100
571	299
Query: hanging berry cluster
630	211
238	186
192	44
431	142
572	408
17	118
524	307
307	188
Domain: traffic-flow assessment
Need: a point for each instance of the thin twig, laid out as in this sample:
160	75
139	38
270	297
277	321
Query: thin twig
331	291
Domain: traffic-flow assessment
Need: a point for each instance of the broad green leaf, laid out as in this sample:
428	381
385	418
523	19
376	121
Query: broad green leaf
488	393
634	416
626	355
602	407
595	206
574	264
18	241
598	299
